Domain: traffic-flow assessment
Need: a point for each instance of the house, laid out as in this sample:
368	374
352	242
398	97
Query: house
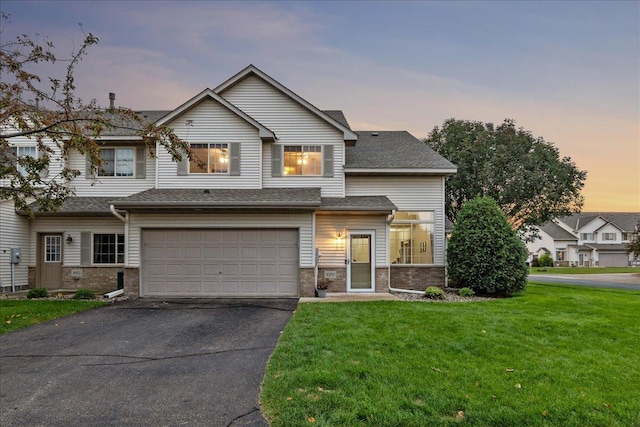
588	239
284	193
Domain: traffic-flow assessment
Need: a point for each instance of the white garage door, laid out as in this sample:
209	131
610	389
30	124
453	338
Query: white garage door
219	263
613	260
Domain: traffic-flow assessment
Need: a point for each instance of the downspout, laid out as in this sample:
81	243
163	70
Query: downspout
117	214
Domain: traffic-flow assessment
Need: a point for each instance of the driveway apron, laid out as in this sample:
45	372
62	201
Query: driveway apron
143	363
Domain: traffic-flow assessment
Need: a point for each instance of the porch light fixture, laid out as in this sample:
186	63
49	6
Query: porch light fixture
69	239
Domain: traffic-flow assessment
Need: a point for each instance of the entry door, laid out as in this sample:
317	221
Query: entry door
50	261
361	262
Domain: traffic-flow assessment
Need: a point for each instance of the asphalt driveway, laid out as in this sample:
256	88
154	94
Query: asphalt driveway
143	363
629	281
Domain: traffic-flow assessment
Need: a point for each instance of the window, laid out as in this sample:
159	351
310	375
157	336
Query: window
108	248
561	254
116	162
52	248
302	160
586	236
608	236
411	239
22	152
626	237
209	158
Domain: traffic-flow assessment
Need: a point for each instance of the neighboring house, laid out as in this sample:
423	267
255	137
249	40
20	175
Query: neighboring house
285	193
588	239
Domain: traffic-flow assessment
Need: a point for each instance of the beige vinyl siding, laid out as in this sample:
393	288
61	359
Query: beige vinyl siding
72	227
303	222
14	233
333	252
111	186
421	193
56	161
294	125
213	123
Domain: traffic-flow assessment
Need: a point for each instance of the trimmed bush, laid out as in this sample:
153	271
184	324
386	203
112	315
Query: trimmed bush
484	252
433	292
466	292
84	294
37	293
545	261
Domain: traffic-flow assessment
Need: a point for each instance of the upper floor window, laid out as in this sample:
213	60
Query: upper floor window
412	238
627	236
22	152
608	236
586	236
116	162
209	158
302	160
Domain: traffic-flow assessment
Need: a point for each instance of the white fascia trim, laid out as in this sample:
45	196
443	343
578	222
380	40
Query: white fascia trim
119	138
400	171
208	93
349	135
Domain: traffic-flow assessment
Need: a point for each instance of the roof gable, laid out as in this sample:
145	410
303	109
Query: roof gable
251	70
265	133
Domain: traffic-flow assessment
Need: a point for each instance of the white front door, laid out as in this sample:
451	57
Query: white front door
361	261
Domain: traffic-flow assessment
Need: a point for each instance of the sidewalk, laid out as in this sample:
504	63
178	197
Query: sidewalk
344	296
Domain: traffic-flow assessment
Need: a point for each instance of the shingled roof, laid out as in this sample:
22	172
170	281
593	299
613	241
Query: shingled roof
284	198
358	203
626	221
556	232
393	150
78	206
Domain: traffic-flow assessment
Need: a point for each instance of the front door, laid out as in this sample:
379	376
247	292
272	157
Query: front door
360	261
50	261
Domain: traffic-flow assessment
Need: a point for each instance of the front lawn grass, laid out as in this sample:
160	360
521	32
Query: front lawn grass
16	314
555	356
584	270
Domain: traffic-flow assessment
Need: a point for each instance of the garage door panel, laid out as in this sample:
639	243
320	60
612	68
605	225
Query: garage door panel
220	262
613	260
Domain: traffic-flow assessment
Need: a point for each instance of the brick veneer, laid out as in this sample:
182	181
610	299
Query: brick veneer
417	278
132	282
307	282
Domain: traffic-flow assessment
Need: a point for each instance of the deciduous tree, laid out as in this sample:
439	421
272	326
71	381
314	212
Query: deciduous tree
48	111
524	174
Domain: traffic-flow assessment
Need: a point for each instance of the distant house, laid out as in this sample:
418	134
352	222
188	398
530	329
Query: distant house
284	193
588	239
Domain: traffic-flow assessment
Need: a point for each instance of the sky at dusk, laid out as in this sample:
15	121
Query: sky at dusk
566	71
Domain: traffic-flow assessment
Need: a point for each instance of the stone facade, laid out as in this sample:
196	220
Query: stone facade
98	279
417	278
132	282
382	279
307	282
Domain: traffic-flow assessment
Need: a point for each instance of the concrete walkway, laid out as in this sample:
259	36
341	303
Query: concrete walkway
344	296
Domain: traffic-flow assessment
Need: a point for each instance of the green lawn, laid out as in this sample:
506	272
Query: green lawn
556	356
16	314
584	270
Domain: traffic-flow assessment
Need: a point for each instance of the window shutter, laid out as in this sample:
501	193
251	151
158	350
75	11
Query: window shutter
234	159
276	160
89	171
141	161
13	156
44	172
183	165
85	248
327	160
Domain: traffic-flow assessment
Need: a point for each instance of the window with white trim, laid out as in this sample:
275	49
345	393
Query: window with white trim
586	236
24	152
108	248
209	158
608	236
302	160
52	248
561	254
118	162
412	238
